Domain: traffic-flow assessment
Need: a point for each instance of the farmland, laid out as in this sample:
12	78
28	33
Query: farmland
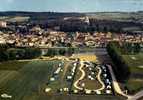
15	18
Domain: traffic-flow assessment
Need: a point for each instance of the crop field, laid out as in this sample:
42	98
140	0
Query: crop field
86	57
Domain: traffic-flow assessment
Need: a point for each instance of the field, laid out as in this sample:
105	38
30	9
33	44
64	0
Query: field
15	18
27	81
86	57
135	63
91	85
60	80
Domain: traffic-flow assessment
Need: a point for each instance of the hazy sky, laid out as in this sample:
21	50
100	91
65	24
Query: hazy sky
71	5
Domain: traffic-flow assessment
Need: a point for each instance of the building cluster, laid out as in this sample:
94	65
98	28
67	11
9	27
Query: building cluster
38	37
138	38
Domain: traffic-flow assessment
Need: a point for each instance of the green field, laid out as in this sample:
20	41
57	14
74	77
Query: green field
91	85
61	81
12	65
135	63
26	81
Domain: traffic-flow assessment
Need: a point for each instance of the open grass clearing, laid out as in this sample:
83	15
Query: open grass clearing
26	81
135	63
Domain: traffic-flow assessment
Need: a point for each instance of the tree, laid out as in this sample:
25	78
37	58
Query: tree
62	51
70	51
32	53
121	69
52	52
3	54
137	48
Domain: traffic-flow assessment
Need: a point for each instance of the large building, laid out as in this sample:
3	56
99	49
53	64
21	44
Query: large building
87	20
3	24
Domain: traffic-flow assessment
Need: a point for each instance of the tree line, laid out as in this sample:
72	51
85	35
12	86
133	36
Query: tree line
130	48
120	68
8	53
13	53
60	51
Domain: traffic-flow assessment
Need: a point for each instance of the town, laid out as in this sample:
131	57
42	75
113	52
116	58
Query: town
69	57
38	37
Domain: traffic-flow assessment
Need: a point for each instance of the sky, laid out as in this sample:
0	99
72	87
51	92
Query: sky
71	5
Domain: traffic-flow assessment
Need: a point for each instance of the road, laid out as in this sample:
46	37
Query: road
65	69
99	79
136	96
83	75
118	89
115	83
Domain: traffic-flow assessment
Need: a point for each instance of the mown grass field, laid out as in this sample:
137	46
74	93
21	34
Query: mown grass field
61	81
27	81
135	63
91	85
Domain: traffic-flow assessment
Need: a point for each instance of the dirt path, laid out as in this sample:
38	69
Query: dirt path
65	70
99	79
83	75
115	83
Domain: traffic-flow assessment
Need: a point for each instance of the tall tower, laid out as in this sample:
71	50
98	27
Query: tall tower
87	20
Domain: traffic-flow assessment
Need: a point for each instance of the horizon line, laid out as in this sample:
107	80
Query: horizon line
71	11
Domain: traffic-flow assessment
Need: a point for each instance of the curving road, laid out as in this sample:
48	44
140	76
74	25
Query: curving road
99	79
118	89
83	75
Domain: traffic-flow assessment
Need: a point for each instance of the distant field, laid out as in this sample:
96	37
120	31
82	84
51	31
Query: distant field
119	16
86	57
15	19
